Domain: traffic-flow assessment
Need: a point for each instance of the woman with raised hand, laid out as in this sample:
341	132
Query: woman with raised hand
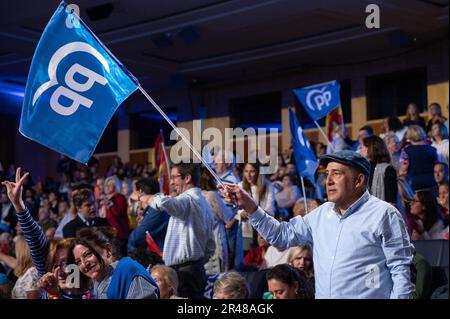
47	256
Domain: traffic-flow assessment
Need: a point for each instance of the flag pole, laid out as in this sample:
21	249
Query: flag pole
304	195
324	135
183	137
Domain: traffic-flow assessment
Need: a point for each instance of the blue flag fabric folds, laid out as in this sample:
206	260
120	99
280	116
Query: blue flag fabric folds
74	87
320	99
304	156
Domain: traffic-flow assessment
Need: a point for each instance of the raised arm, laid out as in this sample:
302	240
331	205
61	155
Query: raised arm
174	206
33	233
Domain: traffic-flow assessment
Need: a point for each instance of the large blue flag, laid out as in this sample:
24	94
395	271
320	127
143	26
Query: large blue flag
304	156
74	87
319	99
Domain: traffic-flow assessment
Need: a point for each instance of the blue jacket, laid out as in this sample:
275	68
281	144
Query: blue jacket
155	222
127	269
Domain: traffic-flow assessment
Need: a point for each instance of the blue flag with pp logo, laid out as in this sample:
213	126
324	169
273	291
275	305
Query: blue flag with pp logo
74	87
304	155
320	99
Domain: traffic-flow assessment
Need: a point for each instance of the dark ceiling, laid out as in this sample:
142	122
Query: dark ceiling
211	42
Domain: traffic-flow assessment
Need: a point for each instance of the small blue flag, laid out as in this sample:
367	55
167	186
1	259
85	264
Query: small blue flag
74	87
320	99
304	155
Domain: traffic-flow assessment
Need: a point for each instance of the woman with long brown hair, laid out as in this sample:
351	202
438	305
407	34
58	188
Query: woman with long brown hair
262	192
383	177
92	252
426	221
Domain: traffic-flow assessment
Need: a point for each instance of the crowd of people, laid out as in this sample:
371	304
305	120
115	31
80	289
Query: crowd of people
130	241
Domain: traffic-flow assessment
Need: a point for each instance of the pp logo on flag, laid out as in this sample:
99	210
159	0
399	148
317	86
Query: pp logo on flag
320	98
74	87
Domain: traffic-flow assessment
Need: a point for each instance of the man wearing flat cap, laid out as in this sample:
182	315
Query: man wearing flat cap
361	248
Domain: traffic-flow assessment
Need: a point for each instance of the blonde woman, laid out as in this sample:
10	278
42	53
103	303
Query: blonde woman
26	284
300	257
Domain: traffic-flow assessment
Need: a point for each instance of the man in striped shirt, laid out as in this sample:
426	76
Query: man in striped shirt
189	241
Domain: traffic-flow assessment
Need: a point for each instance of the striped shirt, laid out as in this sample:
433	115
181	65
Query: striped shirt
36	240
190	235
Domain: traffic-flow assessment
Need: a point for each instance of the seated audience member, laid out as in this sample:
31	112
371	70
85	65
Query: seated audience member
167	280
231	285
413	116
287	282
444	205
67	213
436	116
287	197
300	257
440	172
426	221
254	259
439	134
27	275
84	202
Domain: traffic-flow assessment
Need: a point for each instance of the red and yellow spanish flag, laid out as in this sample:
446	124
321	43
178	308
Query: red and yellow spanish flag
335	117
160	162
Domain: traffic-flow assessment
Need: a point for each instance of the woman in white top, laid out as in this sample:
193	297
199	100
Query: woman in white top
440	141
26	284
262	192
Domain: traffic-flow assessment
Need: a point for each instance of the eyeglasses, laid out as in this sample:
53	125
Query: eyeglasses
414	201
175	176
